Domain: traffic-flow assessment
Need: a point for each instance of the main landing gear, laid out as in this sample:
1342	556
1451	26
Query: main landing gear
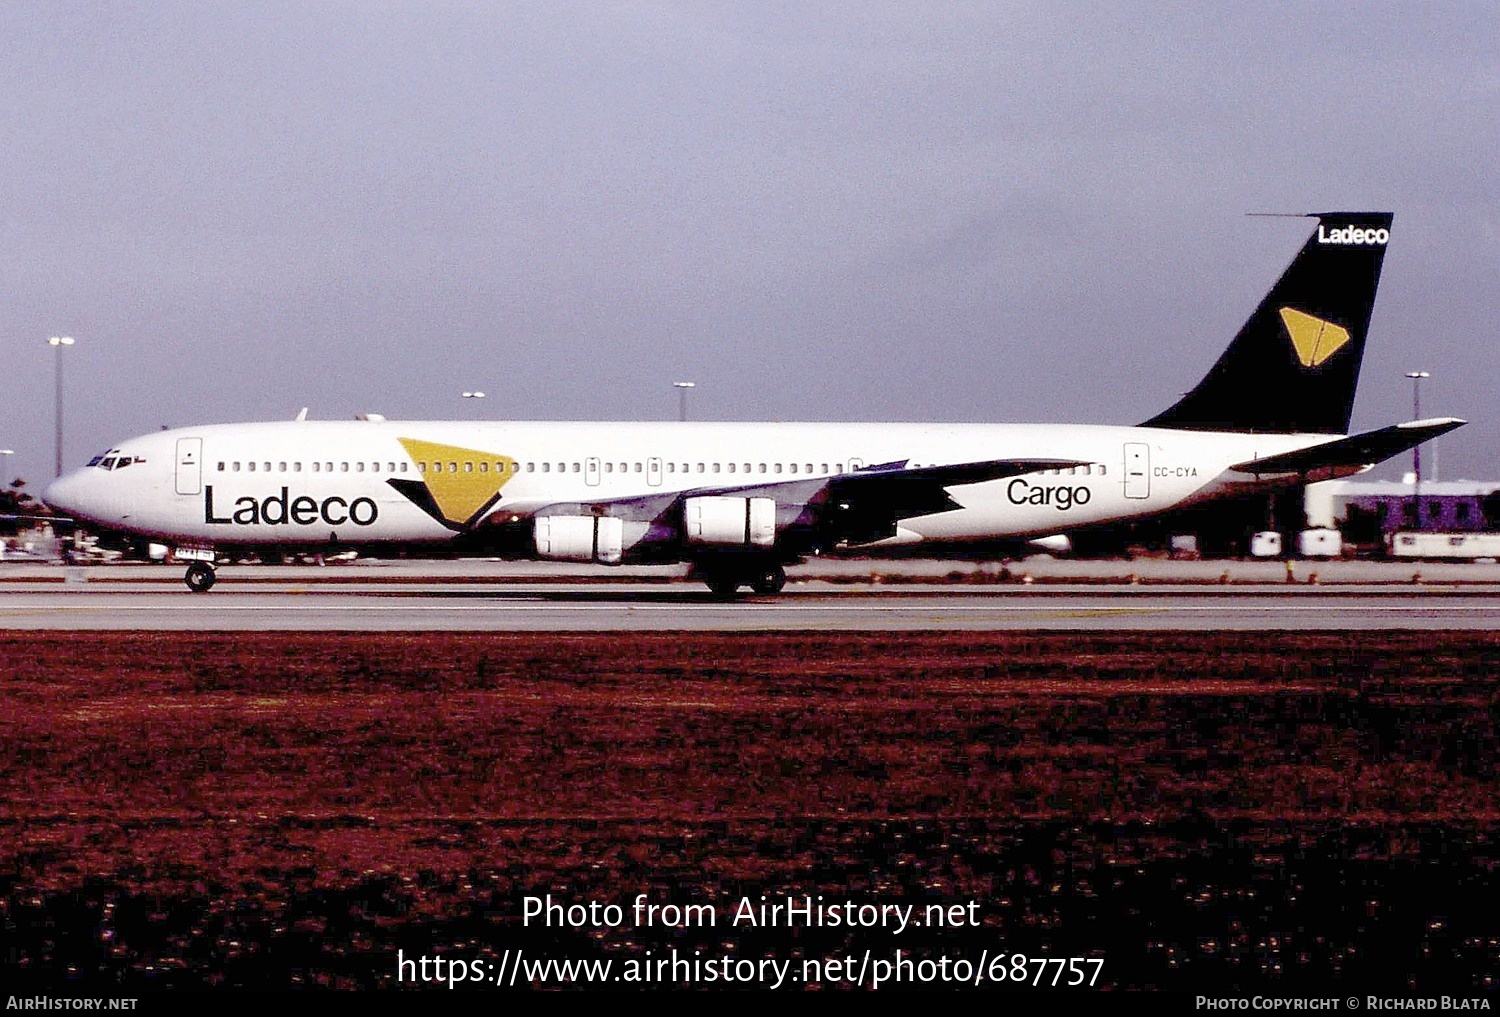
200	577
724	580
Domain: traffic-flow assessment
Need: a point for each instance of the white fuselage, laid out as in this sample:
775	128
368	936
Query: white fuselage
316	483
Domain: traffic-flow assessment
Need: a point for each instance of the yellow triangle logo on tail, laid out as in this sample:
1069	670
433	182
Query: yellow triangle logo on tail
1314	339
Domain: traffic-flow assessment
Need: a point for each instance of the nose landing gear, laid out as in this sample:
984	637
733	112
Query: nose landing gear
200	577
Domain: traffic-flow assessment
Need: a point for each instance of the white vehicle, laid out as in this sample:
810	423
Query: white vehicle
1455	546
742	500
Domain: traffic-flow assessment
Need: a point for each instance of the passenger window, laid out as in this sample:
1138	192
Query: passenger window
609	467
671	467
546	467
1101	469
776	468
315	467
452	467
250	466
281	467
484	467
700	467
824	469
327	467
236	467
747	467
577	468
838	467
296	467
375	467
731	467
221	467
794	467
437	466
343	467
468	467
716	468
531	467
359	467
403	467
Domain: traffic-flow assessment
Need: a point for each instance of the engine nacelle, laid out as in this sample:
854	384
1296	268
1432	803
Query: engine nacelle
580	538
721	521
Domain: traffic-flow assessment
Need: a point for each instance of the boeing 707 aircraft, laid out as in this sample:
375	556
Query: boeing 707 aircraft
742	500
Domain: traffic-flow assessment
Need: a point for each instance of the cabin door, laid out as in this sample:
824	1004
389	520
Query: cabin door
1137	470
189	465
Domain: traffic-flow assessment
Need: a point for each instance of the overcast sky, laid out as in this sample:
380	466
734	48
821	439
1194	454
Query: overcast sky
960	211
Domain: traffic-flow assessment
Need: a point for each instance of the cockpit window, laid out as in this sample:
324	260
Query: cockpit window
109	463
96	460
123	462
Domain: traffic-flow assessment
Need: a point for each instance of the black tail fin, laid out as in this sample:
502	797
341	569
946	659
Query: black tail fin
1294	365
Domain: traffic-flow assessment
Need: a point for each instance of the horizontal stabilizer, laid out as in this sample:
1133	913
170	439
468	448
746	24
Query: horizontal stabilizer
1354	453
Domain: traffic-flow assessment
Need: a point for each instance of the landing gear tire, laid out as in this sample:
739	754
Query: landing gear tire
723	585
200	577
768	581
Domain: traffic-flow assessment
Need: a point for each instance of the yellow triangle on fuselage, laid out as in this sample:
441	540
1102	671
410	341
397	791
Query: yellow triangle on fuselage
462	481
1314	339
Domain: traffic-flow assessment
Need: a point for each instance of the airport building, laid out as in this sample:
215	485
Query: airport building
1365	510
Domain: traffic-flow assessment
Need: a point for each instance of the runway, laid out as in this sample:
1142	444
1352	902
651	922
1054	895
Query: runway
415	606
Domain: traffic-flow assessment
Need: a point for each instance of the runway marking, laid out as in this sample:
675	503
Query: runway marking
764	608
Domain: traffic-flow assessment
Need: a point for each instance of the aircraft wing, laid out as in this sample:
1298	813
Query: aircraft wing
856	507
1345	456
866	505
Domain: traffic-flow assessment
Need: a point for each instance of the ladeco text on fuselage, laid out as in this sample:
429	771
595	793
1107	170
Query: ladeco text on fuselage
283	509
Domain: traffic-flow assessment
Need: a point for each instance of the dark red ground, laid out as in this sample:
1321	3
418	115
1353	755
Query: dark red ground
1253	811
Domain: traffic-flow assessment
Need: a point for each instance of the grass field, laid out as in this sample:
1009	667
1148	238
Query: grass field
1200	811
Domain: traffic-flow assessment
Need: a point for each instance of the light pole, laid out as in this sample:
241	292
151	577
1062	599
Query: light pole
1416	452
682	391
3	475
57	342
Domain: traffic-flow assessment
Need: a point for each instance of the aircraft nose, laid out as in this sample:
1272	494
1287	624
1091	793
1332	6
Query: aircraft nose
68	494
55	496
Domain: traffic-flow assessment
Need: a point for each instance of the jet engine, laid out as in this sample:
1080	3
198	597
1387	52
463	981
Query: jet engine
718	521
